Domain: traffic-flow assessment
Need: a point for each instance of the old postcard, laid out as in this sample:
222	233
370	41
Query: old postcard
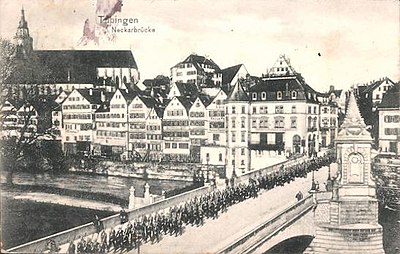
182	126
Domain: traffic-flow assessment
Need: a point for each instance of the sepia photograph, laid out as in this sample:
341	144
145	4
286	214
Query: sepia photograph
200	127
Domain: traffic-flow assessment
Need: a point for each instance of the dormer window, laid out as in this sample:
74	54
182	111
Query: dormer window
279	95
264	96
294	95
254	96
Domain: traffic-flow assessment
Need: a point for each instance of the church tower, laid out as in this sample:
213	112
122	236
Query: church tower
22	39
349	223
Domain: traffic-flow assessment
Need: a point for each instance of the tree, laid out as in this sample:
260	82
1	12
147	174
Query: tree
22	149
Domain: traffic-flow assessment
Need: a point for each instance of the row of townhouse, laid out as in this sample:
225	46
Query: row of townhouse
15	118
216	127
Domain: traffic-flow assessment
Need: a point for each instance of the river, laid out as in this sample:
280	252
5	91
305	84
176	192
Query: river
117	186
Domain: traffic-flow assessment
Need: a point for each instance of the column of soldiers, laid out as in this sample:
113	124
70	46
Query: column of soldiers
131	234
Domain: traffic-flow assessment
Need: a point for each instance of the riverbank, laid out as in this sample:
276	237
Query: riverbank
24	221
46	198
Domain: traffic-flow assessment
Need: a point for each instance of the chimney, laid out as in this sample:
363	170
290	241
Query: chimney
90	91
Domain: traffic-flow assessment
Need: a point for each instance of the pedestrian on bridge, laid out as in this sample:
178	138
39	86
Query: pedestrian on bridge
299	196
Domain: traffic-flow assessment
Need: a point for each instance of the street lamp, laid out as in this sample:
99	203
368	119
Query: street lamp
313	185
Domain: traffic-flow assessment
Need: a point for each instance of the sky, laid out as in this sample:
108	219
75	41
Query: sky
331	42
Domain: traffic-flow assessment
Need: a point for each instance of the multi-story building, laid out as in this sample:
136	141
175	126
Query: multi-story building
139	110
176	129
9	119
112	125
329	118
154	134
284	112
216	129
389	122
198	125
238	132
199	70
78	116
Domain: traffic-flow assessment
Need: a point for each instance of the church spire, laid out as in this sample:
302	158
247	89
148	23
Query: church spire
22	22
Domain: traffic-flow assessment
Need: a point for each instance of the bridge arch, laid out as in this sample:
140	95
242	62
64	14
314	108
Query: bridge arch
293	245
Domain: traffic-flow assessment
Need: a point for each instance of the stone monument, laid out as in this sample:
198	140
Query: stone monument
352	223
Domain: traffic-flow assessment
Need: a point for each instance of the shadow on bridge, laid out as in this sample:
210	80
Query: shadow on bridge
294	245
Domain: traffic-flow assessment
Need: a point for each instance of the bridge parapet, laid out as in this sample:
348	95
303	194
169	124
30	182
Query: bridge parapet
40	245
270	169
267	229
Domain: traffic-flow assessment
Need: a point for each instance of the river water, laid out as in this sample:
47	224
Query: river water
117	186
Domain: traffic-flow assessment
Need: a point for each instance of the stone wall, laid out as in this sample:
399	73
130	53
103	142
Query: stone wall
39	246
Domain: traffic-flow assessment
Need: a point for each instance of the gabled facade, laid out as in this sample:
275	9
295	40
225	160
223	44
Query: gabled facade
78	114
112	126
176	129
216	128
154	138
138	111
198	124
199	70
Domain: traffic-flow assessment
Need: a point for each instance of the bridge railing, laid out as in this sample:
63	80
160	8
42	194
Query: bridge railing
270	227
40	245
267	170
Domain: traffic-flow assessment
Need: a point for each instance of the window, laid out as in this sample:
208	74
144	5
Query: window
279	109
233	122
243	110
242	162
167	145
293	124
254	96
377	96
264	123
315	110
279	122
174	145
263	96
309	109
294	95
220	157
215	137
293	109
254	123
279	95
392	119
243	136
263	110
254	110
233	137
183	145
233	110
242	152
242	122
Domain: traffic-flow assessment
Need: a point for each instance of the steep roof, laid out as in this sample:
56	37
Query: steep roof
229	73
283	84
187	89
79	66
391	99
185	102
238	93
94	95
376	84
198	60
